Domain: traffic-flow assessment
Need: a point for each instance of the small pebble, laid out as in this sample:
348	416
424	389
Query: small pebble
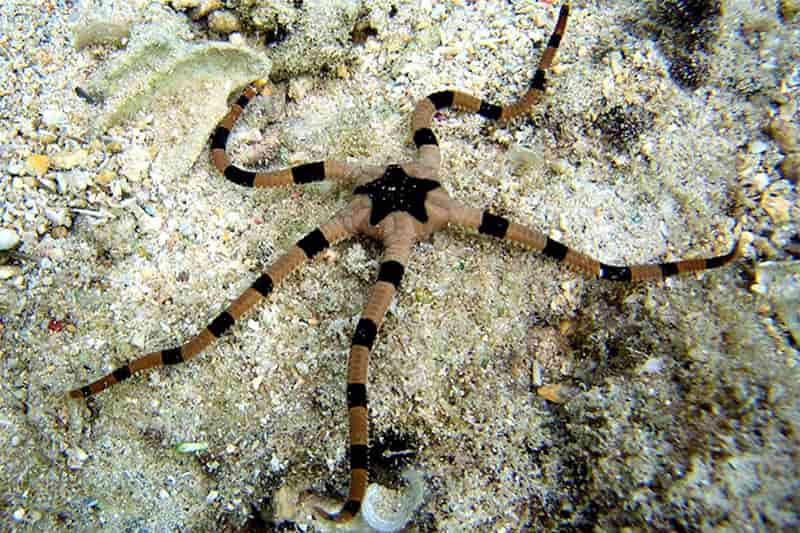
212	497
206	7
776	204
37	164
8	271
53	117
71	159
184	4
76	457
236	39
8	239
223	22
114	147
190	447
299	87
757	147
784	133
556	393
789	9
47	138
790	167
105	176
18	515
58	216
59	232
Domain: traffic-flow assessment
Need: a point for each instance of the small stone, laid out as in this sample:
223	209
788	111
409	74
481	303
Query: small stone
59	232
299	87
286	501
790	167
135	163
757	147
114	147
184	4
37	164
522	158
105	176
8	239
223	21
206	7
776	204
784	133
789	9
18	515
138	340
53	117
58	216
556	393
16	168
72	159
778	282
48	184
47	138
237	39
191	447
212	497
75	181
76	457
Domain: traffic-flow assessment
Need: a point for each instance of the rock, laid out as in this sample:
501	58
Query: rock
778	281
59	232
223	22
206	7
8	239
37	164
163	75
790	167
784	133
71	159
557	393
75	181
104	177
299	87
52	117
58	216
76	457
777	201
789	9
184	4
8	271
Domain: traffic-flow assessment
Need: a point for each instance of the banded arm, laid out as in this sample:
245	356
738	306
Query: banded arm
392	268
305	173
495	226
306	248
421	120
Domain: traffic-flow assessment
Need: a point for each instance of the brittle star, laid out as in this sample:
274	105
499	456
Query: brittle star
398	205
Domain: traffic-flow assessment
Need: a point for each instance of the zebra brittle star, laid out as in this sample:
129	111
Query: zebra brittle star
399	205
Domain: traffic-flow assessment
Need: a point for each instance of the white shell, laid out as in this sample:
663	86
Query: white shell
8	239
407	502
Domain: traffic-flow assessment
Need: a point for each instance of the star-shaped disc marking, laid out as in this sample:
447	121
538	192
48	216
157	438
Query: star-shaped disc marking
397	191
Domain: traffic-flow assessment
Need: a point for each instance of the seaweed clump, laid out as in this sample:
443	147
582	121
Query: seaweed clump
687	30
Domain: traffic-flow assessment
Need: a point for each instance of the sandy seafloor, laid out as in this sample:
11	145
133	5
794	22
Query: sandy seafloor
669	406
